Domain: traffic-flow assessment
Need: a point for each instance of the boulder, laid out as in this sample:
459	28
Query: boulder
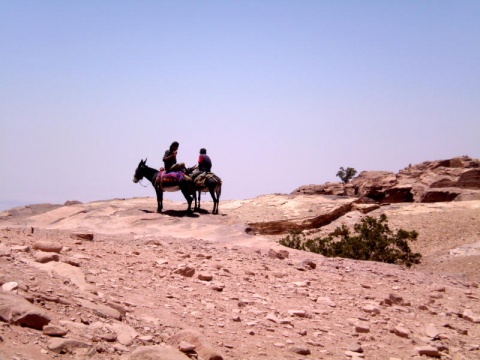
125	333
5	251
48	246
202	346
157	352
62	346
45	257
82	236
16	310
54	330
184	270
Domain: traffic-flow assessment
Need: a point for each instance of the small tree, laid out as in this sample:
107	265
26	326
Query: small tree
373	240
346	174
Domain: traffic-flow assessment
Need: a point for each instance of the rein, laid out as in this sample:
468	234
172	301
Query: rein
140	182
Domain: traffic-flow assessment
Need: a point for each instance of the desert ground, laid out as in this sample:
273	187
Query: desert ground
115	280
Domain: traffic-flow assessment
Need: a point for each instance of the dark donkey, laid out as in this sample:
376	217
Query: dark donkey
185	185
211	184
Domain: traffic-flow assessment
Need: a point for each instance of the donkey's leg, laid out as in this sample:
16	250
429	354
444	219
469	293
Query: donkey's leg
196	204
159	200
187	194
211	190
215	191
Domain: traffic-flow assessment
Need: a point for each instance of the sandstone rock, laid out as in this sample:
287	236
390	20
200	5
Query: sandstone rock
298	313
326	211
157	352
45	257
21	248
120	308
5	251
82	236
185	270
202	346
372	309
10	286
329	188
16	310
307	264
108	337
121	348
401	331
47	246
365	208
431	331
218	286
301	284
146	339
427	351
325	300
205	277
362	328
72	273
300	350
54	330
162	262
152	241
394	299
186	347
62	346
354	355
281	254
71	261
355	347
272	318
125	334
101	309
471	316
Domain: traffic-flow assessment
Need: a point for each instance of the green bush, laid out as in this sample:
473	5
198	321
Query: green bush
373	240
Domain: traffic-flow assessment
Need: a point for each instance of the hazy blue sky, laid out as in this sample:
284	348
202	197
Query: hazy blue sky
281	93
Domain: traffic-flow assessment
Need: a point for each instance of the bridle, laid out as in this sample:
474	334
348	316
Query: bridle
140	182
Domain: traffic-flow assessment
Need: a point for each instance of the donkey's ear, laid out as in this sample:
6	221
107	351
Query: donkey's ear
145	161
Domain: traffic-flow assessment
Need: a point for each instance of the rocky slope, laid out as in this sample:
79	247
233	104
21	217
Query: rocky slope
113	280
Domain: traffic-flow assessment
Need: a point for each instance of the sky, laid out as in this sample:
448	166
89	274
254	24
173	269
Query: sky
280	93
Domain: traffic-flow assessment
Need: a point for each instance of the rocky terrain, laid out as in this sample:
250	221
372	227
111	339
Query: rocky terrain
114	280
431	181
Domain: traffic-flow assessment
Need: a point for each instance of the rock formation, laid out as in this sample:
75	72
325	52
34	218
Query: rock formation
431	181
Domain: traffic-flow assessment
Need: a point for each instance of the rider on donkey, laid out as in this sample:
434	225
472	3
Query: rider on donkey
170	159
204	165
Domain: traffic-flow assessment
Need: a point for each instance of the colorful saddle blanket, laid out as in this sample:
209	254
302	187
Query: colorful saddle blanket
172	178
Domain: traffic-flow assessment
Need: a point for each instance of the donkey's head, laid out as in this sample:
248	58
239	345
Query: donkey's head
139	171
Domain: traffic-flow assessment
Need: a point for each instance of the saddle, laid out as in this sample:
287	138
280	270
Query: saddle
200	179
172	178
